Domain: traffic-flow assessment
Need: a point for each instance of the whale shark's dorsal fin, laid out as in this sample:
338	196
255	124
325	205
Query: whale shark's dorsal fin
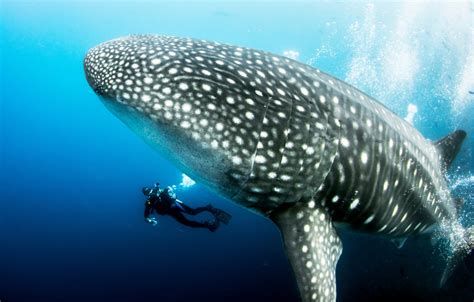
449	146
313	247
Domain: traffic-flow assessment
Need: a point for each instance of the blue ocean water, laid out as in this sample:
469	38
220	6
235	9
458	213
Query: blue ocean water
71	210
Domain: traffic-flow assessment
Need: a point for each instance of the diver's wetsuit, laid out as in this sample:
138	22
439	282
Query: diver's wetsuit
164	204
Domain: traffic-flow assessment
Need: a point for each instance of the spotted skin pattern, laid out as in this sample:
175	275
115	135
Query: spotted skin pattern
278	137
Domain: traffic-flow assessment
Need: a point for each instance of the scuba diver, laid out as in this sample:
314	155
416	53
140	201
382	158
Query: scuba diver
164	202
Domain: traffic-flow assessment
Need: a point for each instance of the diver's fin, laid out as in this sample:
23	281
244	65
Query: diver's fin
399	242
212	225
222	216
313	247
460	251
449	146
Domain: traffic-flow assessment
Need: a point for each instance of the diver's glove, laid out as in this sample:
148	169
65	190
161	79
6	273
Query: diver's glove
152	221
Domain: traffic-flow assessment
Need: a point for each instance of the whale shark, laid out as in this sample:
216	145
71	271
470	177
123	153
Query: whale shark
308	151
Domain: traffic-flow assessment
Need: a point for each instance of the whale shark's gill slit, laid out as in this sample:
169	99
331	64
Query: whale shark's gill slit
280	180
252	163
312	151
329	151
311	146
333	144
261	187
367	148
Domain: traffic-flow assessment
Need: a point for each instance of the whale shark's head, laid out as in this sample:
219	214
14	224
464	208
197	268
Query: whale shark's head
186	99
220	113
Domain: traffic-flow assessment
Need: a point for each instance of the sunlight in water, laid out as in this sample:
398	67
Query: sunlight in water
451	235
463	182
462	186
393	59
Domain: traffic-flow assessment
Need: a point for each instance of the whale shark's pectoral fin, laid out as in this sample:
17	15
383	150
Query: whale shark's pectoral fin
313	247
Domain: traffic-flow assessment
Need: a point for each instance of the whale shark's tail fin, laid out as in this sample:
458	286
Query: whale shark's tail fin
461	248
461	240
313	247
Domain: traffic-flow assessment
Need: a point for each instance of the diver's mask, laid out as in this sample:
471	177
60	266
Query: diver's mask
147	191
171	192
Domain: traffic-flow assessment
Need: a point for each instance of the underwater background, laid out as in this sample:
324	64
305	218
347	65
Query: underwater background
71	209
